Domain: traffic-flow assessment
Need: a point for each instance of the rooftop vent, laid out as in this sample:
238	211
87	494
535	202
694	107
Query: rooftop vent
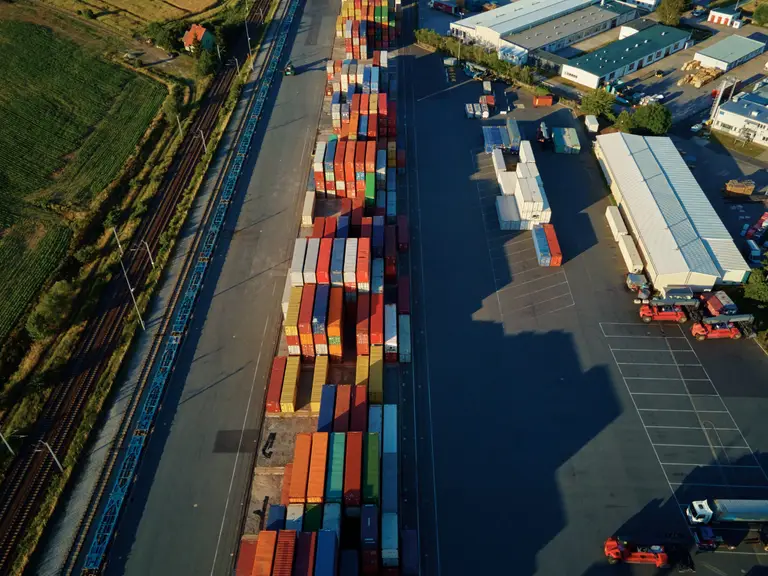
663	33
754	113
637	45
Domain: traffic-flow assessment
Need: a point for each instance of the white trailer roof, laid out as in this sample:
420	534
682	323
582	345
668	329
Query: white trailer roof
521	15
679	227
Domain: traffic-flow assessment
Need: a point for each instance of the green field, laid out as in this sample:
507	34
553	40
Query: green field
70	120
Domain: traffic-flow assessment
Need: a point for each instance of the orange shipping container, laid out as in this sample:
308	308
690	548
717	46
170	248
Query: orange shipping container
316	485
246	557
286	488
305	321
286	545
554	245
364	103
265	553
301	455
353	468
335	309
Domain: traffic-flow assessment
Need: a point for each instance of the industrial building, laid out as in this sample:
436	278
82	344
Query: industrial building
566	30
730	52
725	16
488	28
635	51
681	239
745	116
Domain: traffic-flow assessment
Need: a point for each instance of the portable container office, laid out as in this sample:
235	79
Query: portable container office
389	483
390	556
353	469
275	387
334	482
337	262
404	338
297	262
325	556
630	254
316	479
308	210
306	544
301	456
332	518
526	152
376	375
343	404
294	517
327	409
556	256
358	421
390	332
375	422
615	222
265	553
284	553
540	245
276	517
290	385
310	261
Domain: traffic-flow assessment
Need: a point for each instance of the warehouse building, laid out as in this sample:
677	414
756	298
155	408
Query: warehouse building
745	116
730	52
566	30
488	28
681	239
725	16
623	57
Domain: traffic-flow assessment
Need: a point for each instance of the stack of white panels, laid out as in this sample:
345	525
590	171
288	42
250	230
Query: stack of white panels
310	261
309	209
507	182
526	152
297	263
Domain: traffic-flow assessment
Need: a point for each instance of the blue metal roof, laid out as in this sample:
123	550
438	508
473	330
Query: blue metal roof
733	48
746	107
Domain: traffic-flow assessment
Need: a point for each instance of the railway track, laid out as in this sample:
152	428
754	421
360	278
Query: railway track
24	486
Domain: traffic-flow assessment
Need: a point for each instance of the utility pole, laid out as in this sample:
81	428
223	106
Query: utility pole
248	36
202	137
44	443
237	63
6	444
149	253
130	289
114	230
219	51
178	121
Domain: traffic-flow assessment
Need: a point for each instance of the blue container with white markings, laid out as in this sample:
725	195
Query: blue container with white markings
276	517
337	262
541	246
320	310
327	406
342	228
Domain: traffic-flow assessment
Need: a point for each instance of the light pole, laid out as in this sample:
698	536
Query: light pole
237	63
248	36
130	289
6	444
149	253
202	137
44	443
219	51
178	121
114	231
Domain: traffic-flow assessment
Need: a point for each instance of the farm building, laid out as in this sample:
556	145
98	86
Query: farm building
729	52
725	16
745	115
681	239
200	34
622	57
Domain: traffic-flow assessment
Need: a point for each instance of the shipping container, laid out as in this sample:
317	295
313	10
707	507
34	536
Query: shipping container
330	227
358	421
369	527
285	300
305	321
363	272
540	245
370	189
316	478
275	387
404	295
313	517
337	262
286	547
371	469
361	331
319	327
341	413
285	488
306	544
332	518
353	469
402	233
294	517
342	228
301	455
308	210
376	330
335	310
390	332
630	254
616	222
389	483
265	553
334	482
323	271
327	408
526	152
376	375
376	422
310	261
290	388
318	227
554	245
390	556
297	262
246	556
390	429
410	561
276	517
358	209
404	338
390	254
370	157
338	164
325	558
349	165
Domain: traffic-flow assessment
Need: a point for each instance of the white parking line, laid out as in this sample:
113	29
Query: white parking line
744	486
710	465
668	379
707	446
694	428
665	410
543	301
671	394
648	337
516	284
539	290
655	364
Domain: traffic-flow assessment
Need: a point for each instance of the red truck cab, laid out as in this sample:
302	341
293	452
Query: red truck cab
618	550
702	331
662	313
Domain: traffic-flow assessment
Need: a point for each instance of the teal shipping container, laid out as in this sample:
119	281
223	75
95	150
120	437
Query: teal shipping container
371	469
334	481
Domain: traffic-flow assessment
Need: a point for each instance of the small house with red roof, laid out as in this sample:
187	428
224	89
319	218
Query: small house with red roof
198	33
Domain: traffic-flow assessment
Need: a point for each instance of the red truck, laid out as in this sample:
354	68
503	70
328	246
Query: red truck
446	6
733	327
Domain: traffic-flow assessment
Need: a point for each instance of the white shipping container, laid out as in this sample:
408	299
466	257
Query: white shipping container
522	170
631	255
616	222
484	113
404	338
537	193
294	516
344	77
340	185
375	420
377	276
469	111
390	555
321	349
350	261
534	172
297	263
294	350
308	212
317	162
390	423
526	152
352	74
591	123
383	59
487	87
507	183
508	213
286	295
310	261
478	110
390	328
498	161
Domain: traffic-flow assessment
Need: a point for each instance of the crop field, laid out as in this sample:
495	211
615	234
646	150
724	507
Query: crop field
70	121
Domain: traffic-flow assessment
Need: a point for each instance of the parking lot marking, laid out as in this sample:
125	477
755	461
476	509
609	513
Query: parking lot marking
672	394
664	410
709	465
669	379
547	277
695	445
540	290
542	302
445	90
742	486
694	428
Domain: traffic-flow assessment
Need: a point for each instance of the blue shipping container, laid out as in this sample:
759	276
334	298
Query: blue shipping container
375	414
349	565
336	98
337	262
327	406
342	228
410	563
276	517
392	179
367	80
362	128
320	311
350	92
389	484
330	155
332	518
294	517
390	428
381	200
378	236
325	556
369	527
390	554
541	246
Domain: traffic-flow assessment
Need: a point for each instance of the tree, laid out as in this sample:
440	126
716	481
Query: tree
598	102
654	118
625	122
669	11
760	16
756	287
49	314
206	63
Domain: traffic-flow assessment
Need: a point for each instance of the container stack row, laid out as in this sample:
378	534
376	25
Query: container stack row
366	25
627	246
546	245
496	137
566	140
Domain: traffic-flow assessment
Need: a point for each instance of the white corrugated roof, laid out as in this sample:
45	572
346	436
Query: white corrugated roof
521	15
681	230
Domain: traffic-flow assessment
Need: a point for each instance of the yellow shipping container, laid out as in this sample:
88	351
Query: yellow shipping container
319	379
290	385
376	376
373	104
292	318
391	154
361	373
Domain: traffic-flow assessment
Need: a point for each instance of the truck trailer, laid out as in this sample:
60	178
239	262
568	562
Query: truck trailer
714	510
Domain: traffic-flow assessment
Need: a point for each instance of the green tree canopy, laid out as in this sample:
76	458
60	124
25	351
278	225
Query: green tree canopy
669	11
625	122
654	118
760	16
50	313
206	62
598	102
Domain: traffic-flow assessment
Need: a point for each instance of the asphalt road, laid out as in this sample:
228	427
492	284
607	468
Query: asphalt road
540	432
185	509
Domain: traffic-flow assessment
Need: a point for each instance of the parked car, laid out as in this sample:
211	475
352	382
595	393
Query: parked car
696	128
697	13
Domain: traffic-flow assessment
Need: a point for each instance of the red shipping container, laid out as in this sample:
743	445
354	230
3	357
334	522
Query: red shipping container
383	105
392	117
320	181
554	245
370	562
353	468
401	160
366	227
276	383
363	313
305	554
356	218
365	103
377	58
402	233
246	557
338	161
324	261
542	101
358	421
373	126
370	157
287	475
351	189
305	321
330	227
360	161
349	163
265	553
286	546
363	269
355	108
377	319
318	227
341	413
404	295
390	253
346	207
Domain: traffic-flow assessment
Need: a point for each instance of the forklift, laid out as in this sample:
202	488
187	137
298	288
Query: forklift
666	310
639	284
290	70
733	327
619	550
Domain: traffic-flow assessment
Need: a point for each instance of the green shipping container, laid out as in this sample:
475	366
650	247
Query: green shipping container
313	517
370	189
334	482
371	469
